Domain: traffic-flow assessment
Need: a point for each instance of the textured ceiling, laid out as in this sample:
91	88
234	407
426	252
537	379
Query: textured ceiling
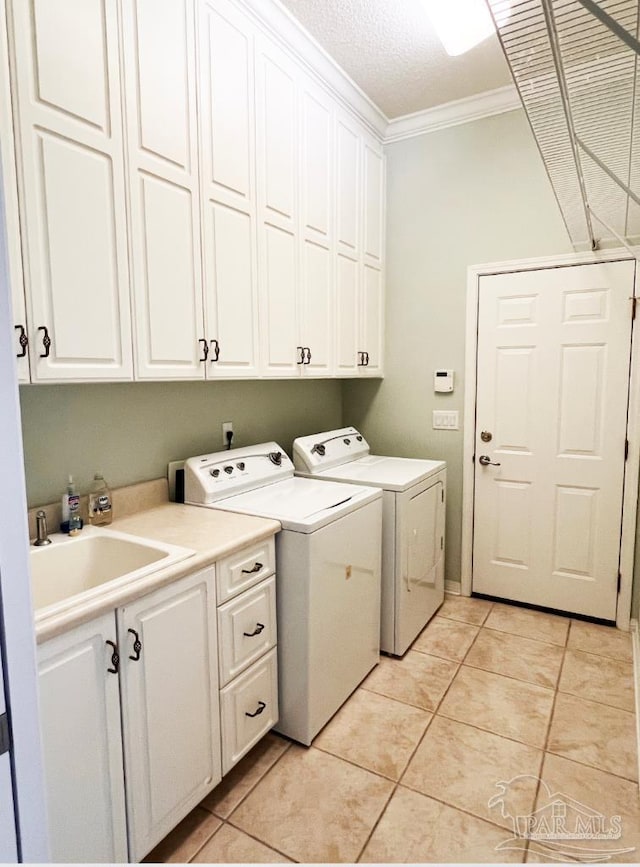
390	50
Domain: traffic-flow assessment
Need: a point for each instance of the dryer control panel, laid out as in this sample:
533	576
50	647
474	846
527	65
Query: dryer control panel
330	449
208	478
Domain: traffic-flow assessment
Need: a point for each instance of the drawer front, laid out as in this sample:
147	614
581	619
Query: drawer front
249	707
247	567
246	629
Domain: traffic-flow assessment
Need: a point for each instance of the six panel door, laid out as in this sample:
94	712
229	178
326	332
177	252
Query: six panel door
552	396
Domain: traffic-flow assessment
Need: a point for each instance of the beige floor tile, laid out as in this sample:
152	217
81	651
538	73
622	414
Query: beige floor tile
418	829
598	678
603	640
416	679
594	734
231	846
464	767
238	782
186	838
449	639
527	623
514	656
465	608
314	807
500	705
374	732
599	797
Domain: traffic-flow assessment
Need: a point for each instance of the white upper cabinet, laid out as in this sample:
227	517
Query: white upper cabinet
348	185
370	359
11	212
72	189
160	78
316	301
278	170
227	154
347	315
373	204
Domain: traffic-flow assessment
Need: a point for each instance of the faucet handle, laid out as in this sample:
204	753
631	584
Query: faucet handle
41	529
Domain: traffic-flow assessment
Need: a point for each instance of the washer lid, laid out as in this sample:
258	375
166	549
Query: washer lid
391	474
301	505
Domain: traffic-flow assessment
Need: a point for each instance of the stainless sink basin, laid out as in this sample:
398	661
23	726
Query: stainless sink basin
82	565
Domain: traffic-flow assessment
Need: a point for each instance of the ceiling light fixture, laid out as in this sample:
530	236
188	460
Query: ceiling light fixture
462	24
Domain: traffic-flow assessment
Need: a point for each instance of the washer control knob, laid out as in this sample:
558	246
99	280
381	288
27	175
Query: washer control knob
359	438
240	465
215	473
346	441
228	469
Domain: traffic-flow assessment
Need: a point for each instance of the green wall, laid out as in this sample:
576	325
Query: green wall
462	196
130	431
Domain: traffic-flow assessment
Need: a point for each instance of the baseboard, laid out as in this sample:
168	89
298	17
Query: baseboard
635	642
452	587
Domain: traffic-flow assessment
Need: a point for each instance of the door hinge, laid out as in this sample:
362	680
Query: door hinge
634	302
442	496
441	543
619	581
5	736
626	449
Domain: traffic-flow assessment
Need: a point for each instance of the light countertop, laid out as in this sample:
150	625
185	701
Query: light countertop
210	533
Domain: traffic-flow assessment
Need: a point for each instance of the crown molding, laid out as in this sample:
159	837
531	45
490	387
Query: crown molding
470	108
286	30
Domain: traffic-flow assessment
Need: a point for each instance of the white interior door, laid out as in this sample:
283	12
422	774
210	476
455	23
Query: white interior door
552	395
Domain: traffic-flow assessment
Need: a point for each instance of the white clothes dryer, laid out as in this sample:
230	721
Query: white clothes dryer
328	567
413	526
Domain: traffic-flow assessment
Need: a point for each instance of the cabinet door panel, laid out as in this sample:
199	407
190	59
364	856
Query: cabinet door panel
316	164
80	297
348	187
72	188
169	300
159	51
373	205
277	118
278	297
232	297
372	339
170	704
70	57
164	78
80	714
317	308
227	104
347	324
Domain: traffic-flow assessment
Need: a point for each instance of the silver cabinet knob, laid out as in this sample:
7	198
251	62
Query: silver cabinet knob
486	461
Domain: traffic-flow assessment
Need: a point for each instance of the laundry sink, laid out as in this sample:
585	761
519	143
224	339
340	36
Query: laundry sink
82	565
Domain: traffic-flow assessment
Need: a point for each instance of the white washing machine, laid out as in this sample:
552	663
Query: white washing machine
328	567
414	495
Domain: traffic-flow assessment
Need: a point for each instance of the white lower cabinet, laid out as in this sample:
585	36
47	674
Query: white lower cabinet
165	689
132	711
81	735
170	714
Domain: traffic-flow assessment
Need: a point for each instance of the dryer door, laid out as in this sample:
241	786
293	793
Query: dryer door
420	541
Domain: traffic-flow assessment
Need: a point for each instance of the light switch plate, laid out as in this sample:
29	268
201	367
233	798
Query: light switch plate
445	419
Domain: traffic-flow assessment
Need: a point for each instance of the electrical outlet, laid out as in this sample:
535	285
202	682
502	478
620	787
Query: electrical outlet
227	427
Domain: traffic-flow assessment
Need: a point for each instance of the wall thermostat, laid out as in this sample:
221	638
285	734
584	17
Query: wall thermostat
443	380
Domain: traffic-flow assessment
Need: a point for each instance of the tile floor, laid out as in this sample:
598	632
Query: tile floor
432	756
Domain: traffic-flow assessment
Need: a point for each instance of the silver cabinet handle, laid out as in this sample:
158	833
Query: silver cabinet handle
486	461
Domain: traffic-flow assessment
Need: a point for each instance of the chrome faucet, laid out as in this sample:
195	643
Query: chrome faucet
41	529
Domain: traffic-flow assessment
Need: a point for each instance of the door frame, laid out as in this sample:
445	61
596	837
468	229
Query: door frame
632	468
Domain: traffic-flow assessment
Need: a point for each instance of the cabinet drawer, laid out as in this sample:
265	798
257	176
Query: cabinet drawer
246	629
249	707
245	568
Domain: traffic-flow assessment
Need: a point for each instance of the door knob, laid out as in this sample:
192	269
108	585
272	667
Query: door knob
486	461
